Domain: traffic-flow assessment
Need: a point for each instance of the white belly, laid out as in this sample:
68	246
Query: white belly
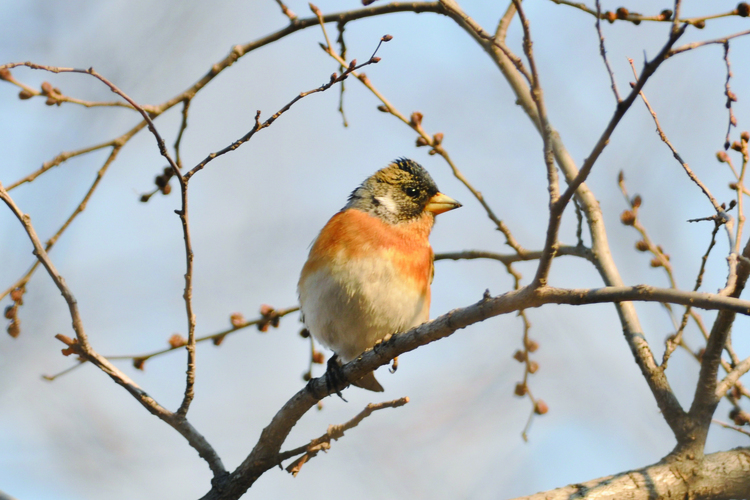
349	309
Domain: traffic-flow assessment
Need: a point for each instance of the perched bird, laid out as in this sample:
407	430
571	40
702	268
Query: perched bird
369	271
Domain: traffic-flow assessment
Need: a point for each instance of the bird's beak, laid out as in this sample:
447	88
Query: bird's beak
441	203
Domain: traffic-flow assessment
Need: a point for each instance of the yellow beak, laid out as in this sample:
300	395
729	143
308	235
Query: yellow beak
441	203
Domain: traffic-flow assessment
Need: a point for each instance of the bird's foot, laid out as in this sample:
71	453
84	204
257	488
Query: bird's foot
334	376
394	365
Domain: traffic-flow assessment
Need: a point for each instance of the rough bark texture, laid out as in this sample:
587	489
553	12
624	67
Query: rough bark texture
718	476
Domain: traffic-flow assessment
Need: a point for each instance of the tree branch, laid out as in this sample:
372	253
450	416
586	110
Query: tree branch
719	476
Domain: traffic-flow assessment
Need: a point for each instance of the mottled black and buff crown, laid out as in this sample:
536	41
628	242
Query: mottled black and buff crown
396	193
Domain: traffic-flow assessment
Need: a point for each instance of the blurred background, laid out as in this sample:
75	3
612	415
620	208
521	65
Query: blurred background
254	213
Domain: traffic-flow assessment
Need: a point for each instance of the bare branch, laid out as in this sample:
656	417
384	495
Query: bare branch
663	137
603	51
623	14
716	41
334	432
719	476
82	347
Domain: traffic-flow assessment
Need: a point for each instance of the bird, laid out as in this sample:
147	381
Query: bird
369	271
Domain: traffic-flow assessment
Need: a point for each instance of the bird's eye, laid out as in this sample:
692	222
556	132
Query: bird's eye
411	192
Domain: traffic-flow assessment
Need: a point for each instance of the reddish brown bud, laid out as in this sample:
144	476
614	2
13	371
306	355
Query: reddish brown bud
237	320
533	367
736	146
68	350
736	392
520	389
621	177
5	74
47	88
51	101
334	75
17	295
745	136
637	200
138	363
14	328
700	24
318	357
731	96
166	189
666	14
10	311
416	119
387	38
641	245
519	356
306	376
383	108
177	340
375	59
627	217
540	408
655	262
266	310
432	152
532	345
25	94
352	64
722	157
421	141
733	120
622	13
218	340
437	139
610	16
743	9
304	333
315	10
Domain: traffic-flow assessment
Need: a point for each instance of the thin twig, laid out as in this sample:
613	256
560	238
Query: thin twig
218	336
260	126
676	339
730	426
603	52
334	432
80	345
716	41
637	18
551	244
287	12
677	156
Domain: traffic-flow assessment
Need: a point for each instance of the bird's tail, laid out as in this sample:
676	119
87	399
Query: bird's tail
369	382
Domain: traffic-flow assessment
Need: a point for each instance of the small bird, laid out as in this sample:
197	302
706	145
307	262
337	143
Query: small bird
369	271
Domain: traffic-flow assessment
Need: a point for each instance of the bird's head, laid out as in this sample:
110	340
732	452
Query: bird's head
400	192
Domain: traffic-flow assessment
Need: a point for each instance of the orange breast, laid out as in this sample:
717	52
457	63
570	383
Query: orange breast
353	234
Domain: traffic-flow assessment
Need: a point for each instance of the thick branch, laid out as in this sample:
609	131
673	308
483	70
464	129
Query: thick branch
719	476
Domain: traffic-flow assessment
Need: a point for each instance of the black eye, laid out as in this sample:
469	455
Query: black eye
412	192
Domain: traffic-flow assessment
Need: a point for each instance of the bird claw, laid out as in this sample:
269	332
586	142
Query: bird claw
334	376
394	365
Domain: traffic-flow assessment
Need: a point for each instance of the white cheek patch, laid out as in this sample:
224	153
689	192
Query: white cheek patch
388	203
